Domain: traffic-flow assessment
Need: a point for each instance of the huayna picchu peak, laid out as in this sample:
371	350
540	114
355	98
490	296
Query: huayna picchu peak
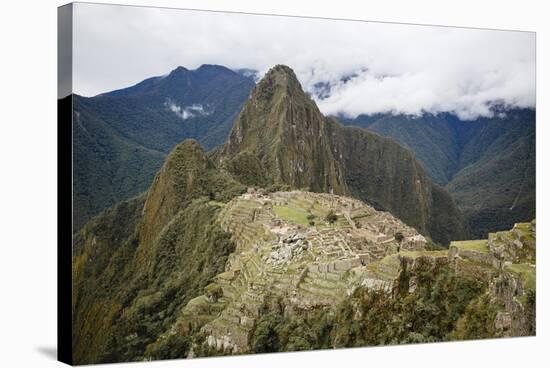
297	233
281	131
281	138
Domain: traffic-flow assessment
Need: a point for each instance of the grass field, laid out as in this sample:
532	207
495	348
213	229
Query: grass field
292	214
386	268
475	245
298	215
425	253
527	273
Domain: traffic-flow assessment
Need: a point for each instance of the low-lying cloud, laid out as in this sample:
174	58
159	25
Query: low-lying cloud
363	67
187	112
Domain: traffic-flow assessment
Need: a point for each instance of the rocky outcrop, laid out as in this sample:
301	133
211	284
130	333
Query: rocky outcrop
287	134
511	256
514	246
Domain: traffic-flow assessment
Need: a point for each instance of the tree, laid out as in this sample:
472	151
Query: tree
265	338
331	217
399	237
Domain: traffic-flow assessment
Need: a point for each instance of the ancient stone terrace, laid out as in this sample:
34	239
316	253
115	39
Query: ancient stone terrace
359	235
516	246
287	246
287	249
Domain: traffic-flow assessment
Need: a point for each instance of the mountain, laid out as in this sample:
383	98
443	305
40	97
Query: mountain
121	138
281	138
204	264
488	165
283	133
196	268
149	255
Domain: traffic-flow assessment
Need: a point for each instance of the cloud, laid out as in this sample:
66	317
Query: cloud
367	67
187	112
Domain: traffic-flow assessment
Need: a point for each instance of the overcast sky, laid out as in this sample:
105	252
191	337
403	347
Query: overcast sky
397	68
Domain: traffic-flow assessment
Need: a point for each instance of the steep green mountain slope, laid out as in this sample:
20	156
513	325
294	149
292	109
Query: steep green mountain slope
281	137
121	137
139	262
381	172
433	139
488	165
497	185
287	134
107	166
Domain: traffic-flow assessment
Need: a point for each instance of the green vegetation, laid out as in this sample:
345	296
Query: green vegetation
276	332
144	298
121	138
137	264
108	167
478	320
331	217
304	214
247	169
488	165
526	272
374	318
386	268
475	245
424	253
292	214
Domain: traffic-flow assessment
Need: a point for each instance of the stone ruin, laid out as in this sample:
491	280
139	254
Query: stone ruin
308	266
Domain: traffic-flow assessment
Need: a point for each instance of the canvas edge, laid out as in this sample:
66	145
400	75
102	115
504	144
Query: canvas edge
64	183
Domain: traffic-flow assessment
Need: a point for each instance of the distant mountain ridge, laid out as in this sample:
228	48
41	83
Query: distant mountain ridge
121	137
488	165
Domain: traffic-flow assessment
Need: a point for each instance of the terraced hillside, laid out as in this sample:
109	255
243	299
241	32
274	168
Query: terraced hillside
344	248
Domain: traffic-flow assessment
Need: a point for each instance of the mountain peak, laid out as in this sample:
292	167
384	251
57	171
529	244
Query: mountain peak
280	76
281	132
281	69
213	67
178	70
